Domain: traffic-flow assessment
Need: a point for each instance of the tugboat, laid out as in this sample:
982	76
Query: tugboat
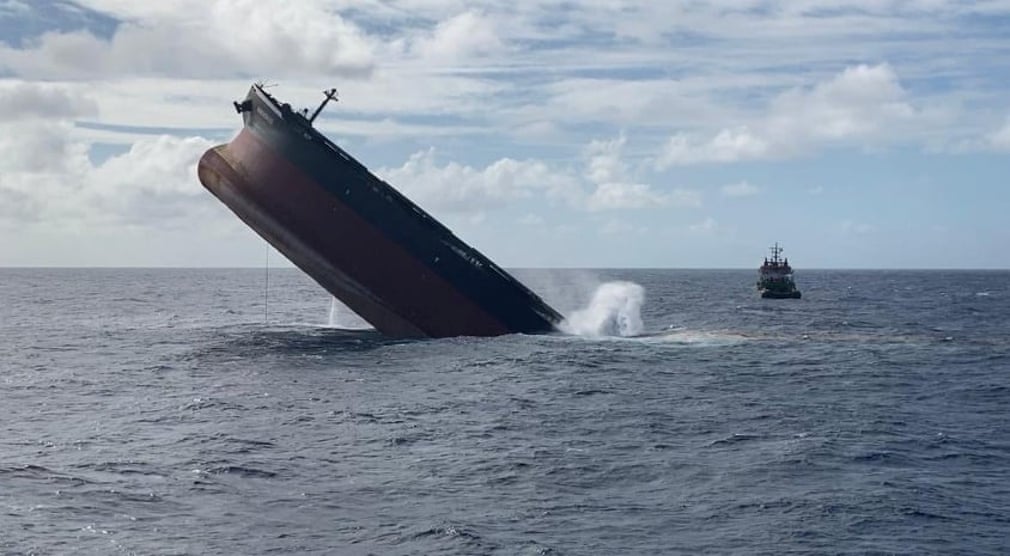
775	277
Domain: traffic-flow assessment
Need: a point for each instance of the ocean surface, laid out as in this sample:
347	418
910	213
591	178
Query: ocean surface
171	412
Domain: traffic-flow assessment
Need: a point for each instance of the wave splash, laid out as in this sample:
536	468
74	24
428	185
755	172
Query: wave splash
614	310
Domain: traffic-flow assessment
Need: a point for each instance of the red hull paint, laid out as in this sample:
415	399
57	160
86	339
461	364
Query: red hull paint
346	255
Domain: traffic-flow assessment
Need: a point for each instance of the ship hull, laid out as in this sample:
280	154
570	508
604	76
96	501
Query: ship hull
769	294
370	247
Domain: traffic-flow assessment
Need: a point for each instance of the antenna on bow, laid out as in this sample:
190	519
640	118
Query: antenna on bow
330	95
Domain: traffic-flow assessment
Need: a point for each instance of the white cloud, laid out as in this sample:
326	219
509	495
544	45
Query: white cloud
741	189
862	104
858	102
197	38
521	67
455	187
163	102
611	196
39	147
615	188
35	133
459	188
21	100
727	146
47	175
604	163
537	129
155	180
640	102
462	36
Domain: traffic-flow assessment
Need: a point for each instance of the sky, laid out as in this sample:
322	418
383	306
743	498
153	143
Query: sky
592	134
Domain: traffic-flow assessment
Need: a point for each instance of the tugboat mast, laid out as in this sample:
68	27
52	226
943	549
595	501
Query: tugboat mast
776	250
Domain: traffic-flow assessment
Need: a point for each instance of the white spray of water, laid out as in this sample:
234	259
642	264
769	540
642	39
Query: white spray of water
614	310
565	290
342	317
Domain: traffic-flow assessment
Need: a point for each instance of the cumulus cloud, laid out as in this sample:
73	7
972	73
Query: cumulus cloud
460	188
858	102
154	182
727	146
35	126
196	38
861	104
21	100
153	185
610	196
464	35
38	147
604	163
47	173
614	186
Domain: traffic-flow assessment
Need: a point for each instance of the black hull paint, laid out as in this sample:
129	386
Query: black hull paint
358	237
767	294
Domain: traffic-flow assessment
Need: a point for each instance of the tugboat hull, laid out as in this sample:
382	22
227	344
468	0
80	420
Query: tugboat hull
768	294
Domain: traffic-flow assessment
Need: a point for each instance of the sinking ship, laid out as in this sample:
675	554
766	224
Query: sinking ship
364	242
775	277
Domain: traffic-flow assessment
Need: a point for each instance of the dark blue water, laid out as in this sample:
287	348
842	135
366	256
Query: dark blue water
156	412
